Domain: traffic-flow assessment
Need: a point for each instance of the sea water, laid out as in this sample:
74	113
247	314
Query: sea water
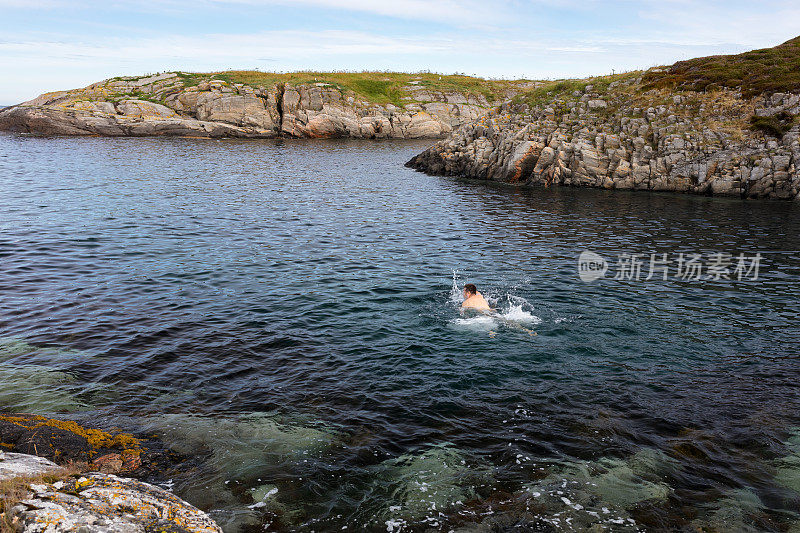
287	314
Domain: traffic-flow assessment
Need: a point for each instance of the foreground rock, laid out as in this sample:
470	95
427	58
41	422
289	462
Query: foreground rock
66	442
629	132
105	503
39	495
181	104
19	464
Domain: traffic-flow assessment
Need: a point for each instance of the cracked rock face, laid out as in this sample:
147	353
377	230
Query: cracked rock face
164	105
626	138
105	503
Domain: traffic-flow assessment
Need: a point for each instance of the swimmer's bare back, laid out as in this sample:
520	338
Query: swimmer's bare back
477	302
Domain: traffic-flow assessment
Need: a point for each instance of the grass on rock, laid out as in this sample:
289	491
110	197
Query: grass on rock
548	91
766	71
376	87
16	489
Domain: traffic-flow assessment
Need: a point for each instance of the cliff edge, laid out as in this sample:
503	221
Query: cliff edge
721	125
256	104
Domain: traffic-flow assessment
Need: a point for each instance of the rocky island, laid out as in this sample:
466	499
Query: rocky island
263	105
721	125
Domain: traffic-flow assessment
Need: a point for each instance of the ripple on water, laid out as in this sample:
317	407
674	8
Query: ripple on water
424	486
31	379
321	282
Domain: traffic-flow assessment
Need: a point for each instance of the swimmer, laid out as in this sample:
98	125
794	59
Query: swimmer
474	300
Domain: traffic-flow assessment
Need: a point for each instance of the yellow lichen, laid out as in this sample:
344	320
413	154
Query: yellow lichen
96	438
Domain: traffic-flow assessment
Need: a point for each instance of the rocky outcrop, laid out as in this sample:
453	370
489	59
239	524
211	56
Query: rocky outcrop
178	104
41	495
68	443
620	135
103	503
14	465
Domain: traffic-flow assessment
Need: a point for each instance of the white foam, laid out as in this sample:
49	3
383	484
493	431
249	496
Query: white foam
516	314
512	311
476	323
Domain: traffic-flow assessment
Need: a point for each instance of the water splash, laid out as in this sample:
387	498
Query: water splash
516	310
455	291
512	311
477	323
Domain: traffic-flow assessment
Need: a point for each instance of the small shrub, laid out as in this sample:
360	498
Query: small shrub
775	125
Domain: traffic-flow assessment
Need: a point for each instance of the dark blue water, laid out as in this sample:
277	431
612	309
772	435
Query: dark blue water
284	311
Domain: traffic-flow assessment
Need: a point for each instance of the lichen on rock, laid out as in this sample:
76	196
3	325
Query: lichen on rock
106	503
65	439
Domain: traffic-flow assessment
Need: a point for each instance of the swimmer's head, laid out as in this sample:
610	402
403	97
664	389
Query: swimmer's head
470	289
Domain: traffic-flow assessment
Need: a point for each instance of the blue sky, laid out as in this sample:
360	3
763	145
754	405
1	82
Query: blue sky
55	44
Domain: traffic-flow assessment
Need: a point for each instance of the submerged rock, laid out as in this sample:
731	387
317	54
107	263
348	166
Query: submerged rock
106	503
787	472
425	486
34	379
37	388
739	510
244	461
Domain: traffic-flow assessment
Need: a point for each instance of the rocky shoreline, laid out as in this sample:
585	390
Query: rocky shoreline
58	475
609	140
686	128
53	501
181	104
723	125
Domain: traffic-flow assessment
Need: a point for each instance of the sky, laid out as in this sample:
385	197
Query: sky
48	45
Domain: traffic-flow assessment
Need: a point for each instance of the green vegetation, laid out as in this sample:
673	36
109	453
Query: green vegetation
382	91
775	125
191	79
547	91
134	95
766	71
377	87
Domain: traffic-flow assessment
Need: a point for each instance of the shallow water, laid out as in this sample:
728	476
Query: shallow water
285	310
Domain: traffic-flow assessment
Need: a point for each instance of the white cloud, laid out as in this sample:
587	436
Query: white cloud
664	31
461	12
60	61
444	10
